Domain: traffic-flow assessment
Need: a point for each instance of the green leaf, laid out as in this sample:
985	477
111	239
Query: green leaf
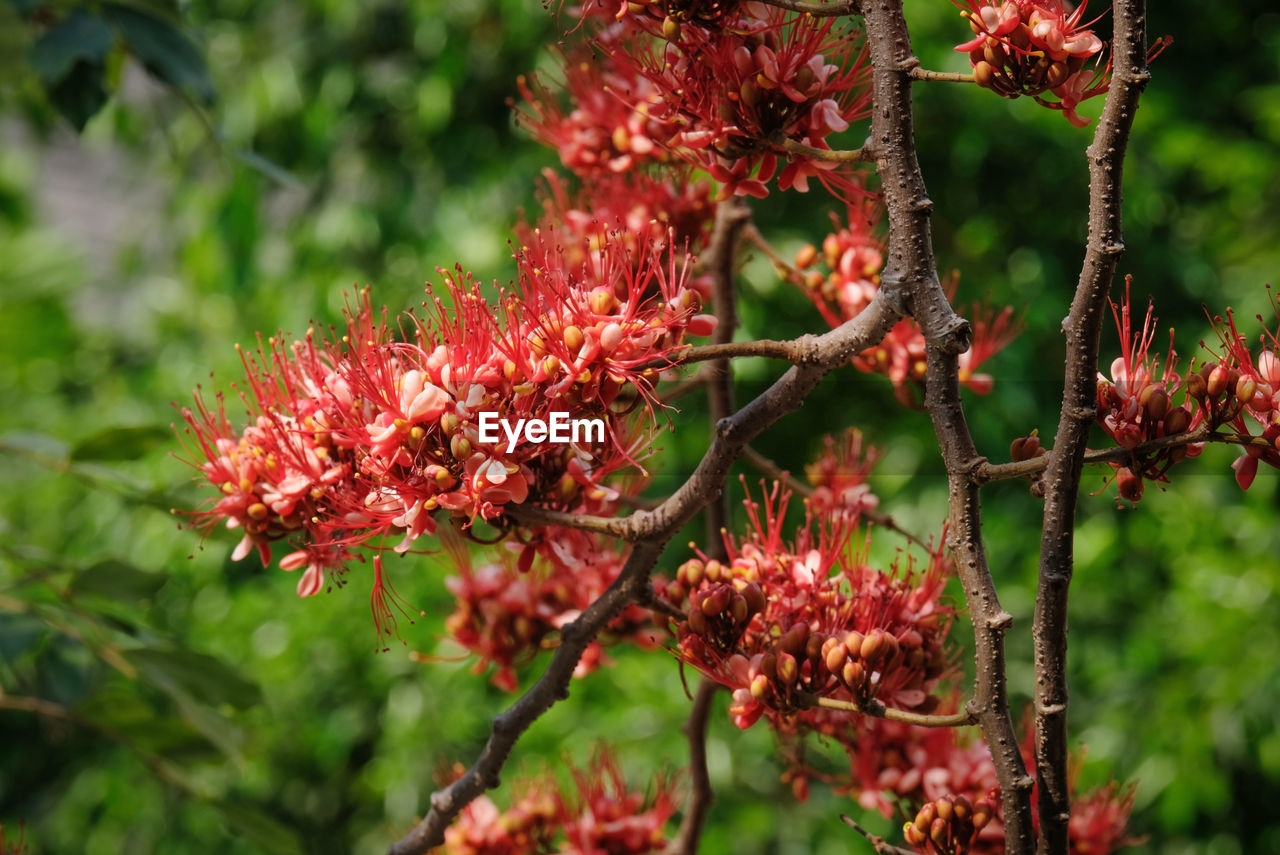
260	828
31	444
81	36
117	580
18	632
203	677
163	49
121	443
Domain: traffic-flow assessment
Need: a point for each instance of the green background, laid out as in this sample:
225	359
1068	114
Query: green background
271	157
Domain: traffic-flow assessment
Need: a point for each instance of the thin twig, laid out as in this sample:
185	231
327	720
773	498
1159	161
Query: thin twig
700	794
919	73
1022	468
834	9
875	709
859	155
1061	481
881	846
534	515
753	236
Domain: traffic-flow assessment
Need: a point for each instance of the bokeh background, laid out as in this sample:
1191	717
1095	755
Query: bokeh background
243	166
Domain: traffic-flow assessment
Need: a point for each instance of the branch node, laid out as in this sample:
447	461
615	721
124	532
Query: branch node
1051	709
1081	414
1000	620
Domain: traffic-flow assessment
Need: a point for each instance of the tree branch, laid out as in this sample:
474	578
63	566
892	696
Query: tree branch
652	529
860	155
876	709
910	274
834	9
918	73
1062	476
878	843
700	794
1022	468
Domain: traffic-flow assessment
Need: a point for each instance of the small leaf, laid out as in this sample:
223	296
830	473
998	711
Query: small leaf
81	36
203	677
165	50
121	443
117	580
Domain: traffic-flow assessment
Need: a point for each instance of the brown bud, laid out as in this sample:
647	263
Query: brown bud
854	675
984	74
1177	420
813	647
806	256
938	832
1155	401
853	643
835	659
981	815
873	645
690	573
460	446
716	602
573	338
769	665
670	28
925	817
759	687
714	570
963	807
1196	386
944	806
912	835
1058	74
675	591
697	621
738	609
1130	485
754	597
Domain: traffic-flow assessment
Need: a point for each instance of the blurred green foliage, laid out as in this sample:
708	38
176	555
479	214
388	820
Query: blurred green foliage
191	704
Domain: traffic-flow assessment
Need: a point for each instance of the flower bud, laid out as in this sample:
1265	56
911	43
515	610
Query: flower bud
714	570
690	573
670	28
788	670
984	74
944	806
1196	386
925	817
573	338
912	835
753	595
738	609
963	807
873	645
1058	74
813	647
938	832
1130	484
716	602
806	256
601	300
769	665
675	591
1246	386
853	643
1155	402
1177	420
460	446
835	659
697	621
1216	382
759	687
853	675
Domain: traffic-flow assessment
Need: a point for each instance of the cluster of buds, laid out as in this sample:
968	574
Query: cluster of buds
1036	48
853	258
360	437
839	476
949	824
783	623
747	87
605	815
509	608
1143	401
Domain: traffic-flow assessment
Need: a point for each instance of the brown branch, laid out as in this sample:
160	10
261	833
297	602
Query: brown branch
860	155
700	794
878	843
918	73
793	351
1066	461
875	709
1022	468
39	706
871	515
753	236
618	527
834	9
652	529
732	217
910	275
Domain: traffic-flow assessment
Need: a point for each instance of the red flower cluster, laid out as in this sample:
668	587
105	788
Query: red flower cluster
839	477
1139	402
897	765
507	609
605	817
853	258
786	622
1036	48
362	436
725	87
